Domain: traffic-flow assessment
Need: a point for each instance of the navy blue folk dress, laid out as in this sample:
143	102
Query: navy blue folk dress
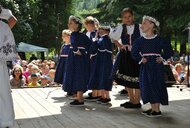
126	69
152	83
61	67
77	69
104	64
93	84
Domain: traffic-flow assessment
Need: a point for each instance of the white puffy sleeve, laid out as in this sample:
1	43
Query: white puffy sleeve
115	34
6	14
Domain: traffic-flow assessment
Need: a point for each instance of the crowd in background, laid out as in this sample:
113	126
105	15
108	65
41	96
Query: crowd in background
33	73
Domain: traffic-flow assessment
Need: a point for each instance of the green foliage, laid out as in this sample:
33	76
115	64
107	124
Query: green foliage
39	21
87	4
174	15
21	9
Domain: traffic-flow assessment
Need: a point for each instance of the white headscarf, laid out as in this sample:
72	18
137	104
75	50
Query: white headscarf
149	18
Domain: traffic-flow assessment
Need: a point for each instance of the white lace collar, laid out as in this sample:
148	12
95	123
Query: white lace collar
150	37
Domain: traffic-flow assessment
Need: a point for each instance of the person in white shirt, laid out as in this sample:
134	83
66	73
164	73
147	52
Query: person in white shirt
7	53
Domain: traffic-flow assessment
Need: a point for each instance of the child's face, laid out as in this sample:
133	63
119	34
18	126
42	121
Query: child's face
90	27
52	65
102	32
65	38
17	72
34	70
127	18
52	73
44	81
34	79
147	26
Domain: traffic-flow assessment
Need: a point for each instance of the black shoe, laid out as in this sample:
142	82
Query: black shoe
105	101
135	106
90	98
76	103
154	114
69	94
147	111
123	92
124	104
100	100
90	94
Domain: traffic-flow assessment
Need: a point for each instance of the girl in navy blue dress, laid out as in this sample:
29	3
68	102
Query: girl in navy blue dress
77	70
60	70
104	64
90	25
149	51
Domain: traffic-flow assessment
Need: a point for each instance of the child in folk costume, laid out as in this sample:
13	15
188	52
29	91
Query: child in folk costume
126	67
104	64
7	52
90	25
150	50
77	70
60	70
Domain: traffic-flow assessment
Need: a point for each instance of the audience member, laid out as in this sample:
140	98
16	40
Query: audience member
17	80
34	81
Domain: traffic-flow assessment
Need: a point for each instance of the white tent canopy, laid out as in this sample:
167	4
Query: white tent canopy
24	47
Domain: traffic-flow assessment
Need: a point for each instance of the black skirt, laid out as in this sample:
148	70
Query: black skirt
126	70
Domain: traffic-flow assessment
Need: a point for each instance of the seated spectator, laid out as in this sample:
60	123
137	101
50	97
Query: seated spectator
28	72
52	65
44	81
51	76
45	70
35	70
34	81
17	80
24	67
178	73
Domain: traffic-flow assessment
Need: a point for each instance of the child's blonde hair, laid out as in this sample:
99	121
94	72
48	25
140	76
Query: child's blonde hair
66	32
89	20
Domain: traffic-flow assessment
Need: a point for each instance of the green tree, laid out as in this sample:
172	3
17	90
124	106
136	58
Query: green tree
52	19
22	10
39	21
172	14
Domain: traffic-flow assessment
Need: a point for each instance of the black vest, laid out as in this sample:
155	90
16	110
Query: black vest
125	36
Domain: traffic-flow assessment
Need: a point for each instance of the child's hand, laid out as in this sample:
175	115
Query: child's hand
123	47
78	53
129	47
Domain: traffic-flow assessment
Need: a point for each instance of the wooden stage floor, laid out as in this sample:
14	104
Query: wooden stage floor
49	108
